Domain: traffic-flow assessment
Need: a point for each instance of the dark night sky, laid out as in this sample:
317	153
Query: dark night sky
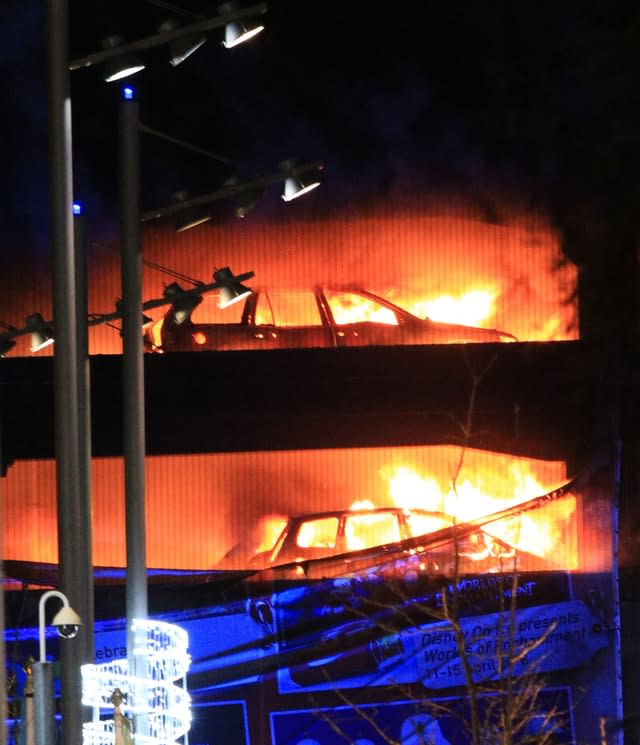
478	99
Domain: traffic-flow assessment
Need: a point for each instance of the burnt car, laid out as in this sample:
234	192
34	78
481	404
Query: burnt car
322	317
375	535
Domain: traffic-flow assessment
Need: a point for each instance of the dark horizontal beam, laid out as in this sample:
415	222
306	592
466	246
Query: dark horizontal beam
535	400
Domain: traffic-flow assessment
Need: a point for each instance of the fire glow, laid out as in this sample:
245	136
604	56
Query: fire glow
547	532
473	308
244	500
538	533
448	267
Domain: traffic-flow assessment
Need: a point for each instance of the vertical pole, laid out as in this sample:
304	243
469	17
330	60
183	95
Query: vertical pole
4	709
133	417
86	608
28	722
43	704
72	532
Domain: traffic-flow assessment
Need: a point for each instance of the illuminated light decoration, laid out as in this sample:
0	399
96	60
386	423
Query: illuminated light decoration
199	338
165	706
76	208
127	93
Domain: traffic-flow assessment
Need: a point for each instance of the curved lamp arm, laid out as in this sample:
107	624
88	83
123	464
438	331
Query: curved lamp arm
41	605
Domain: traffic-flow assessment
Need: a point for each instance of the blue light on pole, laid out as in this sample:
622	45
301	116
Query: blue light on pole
128	93
77	208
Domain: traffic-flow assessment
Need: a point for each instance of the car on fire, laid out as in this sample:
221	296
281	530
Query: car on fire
377	535
323	317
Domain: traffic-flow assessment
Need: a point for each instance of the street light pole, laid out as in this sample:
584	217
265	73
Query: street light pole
133	412
73	503
86	604
67	621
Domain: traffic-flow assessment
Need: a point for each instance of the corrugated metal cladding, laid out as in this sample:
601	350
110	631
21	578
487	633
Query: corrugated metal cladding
409	255
200	507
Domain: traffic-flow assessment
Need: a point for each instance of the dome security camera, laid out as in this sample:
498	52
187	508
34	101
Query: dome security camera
67	622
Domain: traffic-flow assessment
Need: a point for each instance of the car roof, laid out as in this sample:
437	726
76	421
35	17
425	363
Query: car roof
367	511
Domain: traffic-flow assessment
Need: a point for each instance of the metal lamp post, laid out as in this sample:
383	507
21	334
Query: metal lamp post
70	391
73	498
133	411
67	621
70	368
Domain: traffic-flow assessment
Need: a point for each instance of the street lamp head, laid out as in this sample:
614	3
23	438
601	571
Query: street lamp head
183	304
121	66
231	290
67	622
41	333
183	46
6	345
189	217
237	33
294	188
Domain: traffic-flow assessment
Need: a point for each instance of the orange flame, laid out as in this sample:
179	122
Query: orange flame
542	533
362	504
356	309
269	531
473	308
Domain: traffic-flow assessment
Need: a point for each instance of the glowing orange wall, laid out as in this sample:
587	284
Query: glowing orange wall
199	506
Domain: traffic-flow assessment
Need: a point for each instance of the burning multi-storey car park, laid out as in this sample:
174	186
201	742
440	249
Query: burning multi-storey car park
242	444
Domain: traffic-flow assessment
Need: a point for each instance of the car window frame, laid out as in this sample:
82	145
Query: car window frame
402	315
